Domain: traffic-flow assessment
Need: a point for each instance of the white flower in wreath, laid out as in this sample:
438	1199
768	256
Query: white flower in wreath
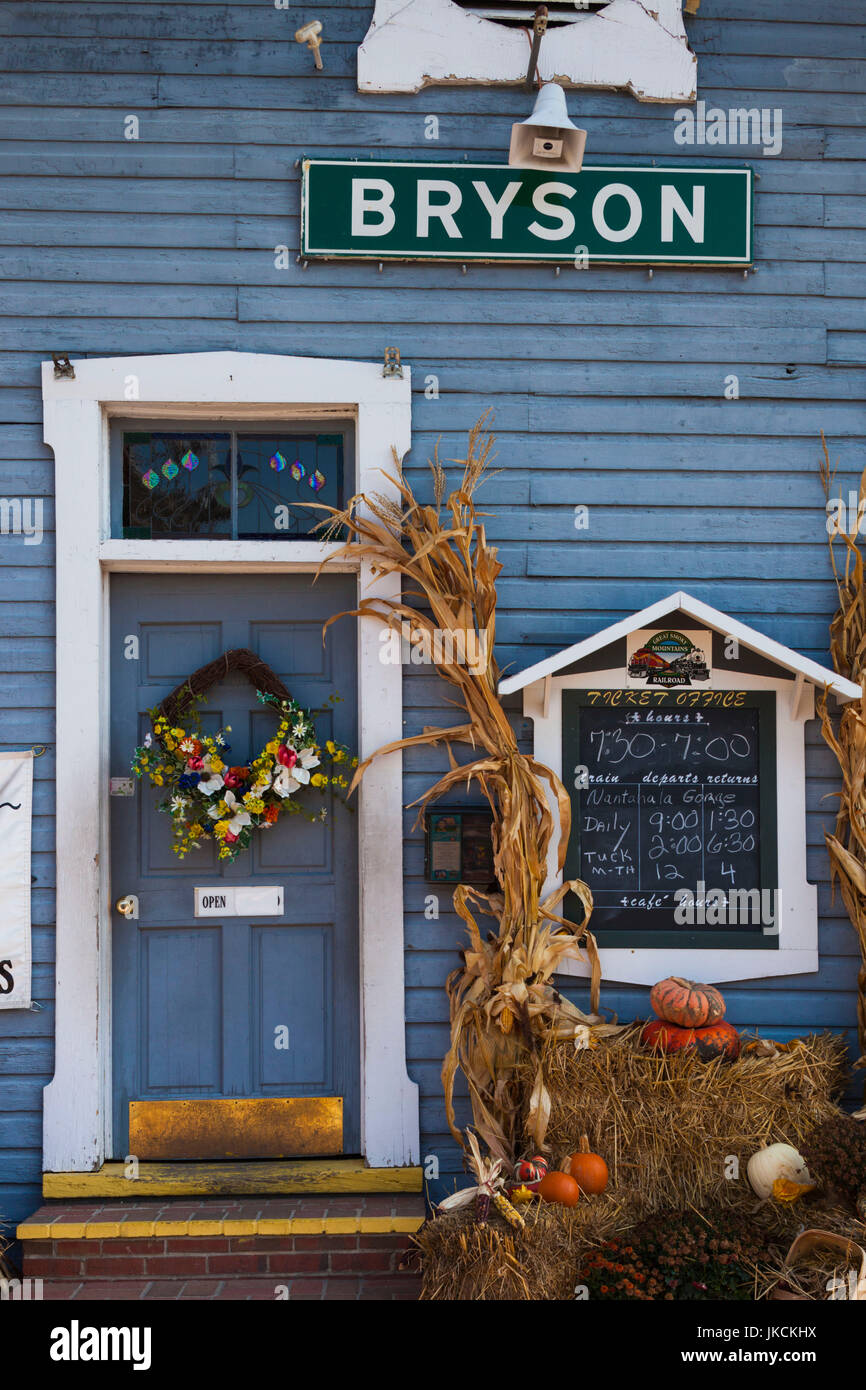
178	805
299	730
234	810
289	779
211	784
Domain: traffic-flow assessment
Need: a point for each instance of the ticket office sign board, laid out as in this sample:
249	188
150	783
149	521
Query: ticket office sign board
388	210
674	815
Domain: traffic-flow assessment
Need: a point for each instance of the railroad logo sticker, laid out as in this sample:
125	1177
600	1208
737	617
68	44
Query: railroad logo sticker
668	658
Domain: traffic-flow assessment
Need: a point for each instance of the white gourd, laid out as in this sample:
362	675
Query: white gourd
776	1161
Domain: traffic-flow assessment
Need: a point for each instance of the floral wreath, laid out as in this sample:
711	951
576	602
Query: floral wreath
209	799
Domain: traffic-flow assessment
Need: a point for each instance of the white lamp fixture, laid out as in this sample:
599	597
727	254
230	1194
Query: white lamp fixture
547	139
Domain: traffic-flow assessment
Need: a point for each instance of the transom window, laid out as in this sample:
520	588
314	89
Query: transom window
170	482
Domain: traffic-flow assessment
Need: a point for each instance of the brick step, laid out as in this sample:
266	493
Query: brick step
304	1247
405	1287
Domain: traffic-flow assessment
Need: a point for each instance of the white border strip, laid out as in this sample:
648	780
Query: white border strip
508	257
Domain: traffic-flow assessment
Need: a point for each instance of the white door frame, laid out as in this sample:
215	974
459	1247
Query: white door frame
77	414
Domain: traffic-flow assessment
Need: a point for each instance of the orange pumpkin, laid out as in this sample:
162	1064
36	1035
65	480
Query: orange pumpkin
589	1170
669	1037
560	1188
717	1040
686	1003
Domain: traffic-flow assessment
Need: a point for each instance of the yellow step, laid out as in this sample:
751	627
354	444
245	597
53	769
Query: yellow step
260	1178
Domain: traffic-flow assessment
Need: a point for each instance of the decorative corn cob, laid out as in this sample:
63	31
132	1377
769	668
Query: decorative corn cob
511	1214
506	1020
482	1206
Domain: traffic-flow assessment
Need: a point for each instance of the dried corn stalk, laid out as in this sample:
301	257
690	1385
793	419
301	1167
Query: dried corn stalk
502	1001
847	738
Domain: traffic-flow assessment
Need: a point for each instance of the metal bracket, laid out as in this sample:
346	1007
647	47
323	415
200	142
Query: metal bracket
392	366
309	34
539	28
62	365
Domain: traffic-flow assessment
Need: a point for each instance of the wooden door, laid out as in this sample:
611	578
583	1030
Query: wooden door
232	1009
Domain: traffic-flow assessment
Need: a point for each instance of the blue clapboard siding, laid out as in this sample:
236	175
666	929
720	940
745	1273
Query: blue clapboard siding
607	386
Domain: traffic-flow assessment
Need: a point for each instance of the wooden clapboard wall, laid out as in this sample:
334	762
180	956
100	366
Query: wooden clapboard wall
608	387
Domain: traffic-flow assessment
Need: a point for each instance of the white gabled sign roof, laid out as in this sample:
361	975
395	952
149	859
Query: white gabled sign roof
703	613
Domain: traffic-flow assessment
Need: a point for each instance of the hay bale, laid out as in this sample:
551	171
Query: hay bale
464	1261
668	1125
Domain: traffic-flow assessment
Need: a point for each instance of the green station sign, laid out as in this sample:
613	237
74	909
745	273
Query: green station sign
384	210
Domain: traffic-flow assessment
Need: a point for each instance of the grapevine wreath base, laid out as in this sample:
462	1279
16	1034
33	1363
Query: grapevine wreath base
209	798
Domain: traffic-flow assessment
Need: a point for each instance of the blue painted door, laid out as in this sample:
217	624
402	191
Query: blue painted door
197	1002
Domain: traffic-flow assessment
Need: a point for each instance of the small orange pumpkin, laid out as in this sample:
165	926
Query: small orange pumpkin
687	1003
589	1170
717	1040
669	1037
560	1188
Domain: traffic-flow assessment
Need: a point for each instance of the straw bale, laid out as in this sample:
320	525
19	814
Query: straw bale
669	1126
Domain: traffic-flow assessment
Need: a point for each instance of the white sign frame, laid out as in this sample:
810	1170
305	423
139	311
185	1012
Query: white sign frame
797	952
16	822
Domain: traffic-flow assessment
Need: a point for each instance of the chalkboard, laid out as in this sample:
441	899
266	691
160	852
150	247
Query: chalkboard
674	815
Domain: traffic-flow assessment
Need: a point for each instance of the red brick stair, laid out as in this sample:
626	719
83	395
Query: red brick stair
305	1247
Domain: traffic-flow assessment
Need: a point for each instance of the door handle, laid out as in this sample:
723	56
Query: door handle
128	907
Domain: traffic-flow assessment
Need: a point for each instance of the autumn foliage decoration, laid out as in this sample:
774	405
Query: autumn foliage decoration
846	736
503	1004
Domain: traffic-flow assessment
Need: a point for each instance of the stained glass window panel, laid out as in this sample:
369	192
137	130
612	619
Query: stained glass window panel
176	486
280	477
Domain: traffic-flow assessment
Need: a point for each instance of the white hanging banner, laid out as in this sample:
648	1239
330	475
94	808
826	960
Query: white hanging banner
16	808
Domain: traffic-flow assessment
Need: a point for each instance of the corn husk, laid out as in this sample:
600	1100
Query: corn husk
846	736
503	1004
